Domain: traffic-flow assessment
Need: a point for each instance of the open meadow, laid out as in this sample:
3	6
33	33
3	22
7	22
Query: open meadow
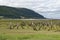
30	29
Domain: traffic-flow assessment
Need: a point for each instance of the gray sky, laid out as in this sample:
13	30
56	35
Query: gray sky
47	8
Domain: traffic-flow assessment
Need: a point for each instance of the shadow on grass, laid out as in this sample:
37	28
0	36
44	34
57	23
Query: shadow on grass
25	37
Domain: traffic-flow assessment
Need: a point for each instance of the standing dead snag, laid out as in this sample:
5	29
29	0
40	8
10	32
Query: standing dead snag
16	25
33	26
10	25
22	25
40	26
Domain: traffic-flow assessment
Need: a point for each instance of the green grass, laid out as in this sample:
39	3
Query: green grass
25	34
30	36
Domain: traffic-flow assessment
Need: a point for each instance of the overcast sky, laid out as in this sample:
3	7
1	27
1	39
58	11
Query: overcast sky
47	8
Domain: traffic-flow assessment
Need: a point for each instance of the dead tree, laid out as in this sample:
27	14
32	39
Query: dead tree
33	25
22	25
10	25
16	25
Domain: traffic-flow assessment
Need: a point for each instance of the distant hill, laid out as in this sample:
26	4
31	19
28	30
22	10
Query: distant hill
20	13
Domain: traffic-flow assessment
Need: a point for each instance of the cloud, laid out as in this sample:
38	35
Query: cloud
48	7
42	5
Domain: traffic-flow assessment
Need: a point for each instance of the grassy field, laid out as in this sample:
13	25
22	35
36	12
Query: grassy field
25	34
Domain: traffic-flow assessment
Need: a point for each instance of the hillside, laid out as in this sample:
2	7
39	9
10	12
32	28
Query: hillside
20	13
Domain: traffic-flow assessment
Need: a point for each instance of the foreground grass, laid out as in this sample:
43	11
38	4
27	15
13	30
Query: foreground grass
28	35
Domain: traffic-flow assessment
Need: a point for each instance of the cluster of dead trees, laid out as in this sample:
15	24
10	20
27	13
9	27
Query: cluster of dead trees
35	25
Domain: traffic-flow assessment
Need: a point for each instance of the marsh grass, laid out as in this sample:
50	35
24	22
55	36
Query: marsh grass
28	33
